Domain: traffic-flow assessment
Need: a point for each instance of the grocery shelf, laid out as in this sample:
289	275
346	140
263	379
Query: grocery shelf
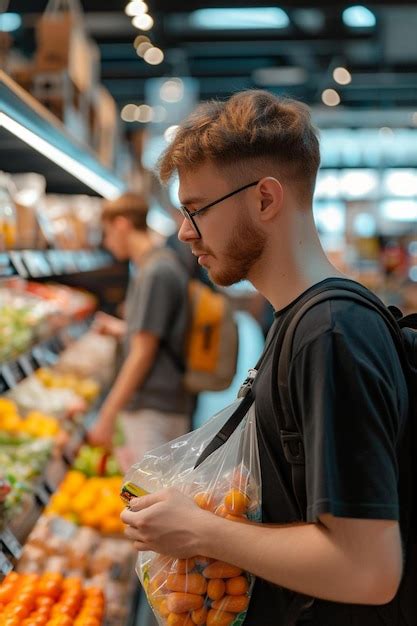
41	354
14	535
34	140
51	263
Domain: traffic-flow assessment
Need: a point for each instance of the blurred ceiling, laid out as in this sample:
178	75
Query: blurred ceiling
297	60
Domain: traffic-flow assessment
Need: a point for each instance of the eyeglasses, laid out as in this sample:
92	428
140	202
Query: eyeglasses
191	215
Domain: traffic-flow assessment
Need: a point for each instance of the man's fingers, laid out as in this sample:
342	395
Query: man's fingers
138	504
133	534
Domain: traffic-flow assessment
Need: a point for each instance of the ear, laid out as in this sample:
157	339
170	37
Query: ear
271	197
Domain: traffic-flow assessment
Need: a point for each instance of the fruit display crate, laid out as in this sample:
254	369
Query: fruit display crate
15	533
42	354
48	263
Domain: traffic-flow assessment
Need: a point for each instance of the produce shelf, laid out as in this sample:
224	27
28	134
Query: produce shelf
14	535
51	263
42	354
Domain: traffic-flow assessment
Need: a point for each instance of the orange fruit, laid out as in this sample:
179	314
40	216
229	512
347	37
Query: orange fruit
199	616
236	502
221	511
179	619
237	586
238	518
204	500
183	566
219	618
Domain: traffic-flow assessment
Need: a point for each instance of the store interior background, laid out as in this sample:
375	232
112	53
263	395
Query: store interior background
128	72
88	100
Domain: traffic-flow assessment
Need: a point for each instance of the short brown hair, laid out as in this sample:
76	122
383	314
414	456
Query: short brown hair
132	206
251	126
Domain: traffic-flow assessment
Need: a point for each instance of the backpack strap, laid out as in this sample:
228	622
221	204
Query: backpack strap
290	431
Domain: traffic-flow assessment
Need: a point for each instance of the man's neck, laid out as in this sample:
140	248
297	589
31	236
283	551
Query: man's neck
291	266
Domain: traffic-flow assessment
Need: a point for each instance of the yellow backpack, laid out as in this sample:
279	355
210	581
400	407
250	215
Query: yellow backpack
212	340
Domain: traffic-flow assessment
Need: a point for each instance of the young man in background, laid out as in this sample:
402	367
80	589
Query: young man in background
147	393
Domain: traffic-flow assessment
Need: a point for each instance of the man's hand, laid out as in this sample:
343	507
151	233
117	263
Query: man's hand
105	324
101	434
167	522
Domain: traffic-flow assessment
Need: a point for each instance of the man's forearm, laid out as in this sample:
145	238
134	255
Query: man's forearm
307	558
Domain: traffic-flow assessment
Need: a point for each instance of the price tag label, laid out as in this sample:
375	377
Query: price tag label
3	384
15	371
5	565
8	377
6	267
69	258
39	354
56	261
41	494
36	263
55	345
20	267
27	364
11	543
34	360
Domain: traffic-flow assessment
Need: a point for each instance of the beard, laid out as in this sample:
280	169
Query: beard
244	248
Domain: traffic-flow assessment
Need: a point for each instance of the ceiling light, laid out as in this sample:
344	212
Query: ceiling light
250	18
143	22
128	113
330	97
399	210
170	133
358	16
140	39
144	113
342	76
386	132
400	183
359	183
10	22
154	56
94	181
143	47
136	7
172	90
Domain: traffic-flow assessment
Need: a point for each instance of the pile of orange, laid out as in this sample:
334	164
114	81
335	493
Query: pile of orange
93	502
200	591
49	600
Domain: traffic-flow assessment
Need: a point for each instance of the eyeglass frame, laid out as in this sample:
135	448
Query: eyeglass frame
190	215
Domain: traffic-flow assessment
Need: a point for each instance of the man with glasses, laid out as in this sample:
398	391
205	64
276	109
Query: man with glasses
247	170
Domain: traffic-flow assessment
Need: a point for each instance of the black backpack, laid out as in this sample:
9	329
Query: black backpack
404	333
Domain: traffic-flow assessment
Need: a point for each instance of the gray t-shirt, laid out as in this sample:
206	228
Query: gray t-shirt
157	302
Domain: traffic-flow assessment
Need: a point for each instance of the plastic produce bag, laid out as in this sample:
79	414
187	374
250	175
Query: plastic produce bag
201	591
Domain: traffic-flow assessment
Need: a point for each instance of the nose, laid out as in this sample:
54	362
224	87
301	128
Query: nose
187	233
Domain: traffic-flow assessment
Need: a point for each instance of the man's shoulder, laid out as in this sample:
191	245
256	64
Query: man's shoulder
346	318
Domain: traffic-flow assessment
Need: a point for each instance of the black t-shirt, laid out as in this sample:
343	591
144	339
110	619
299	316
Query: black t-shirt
349	396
